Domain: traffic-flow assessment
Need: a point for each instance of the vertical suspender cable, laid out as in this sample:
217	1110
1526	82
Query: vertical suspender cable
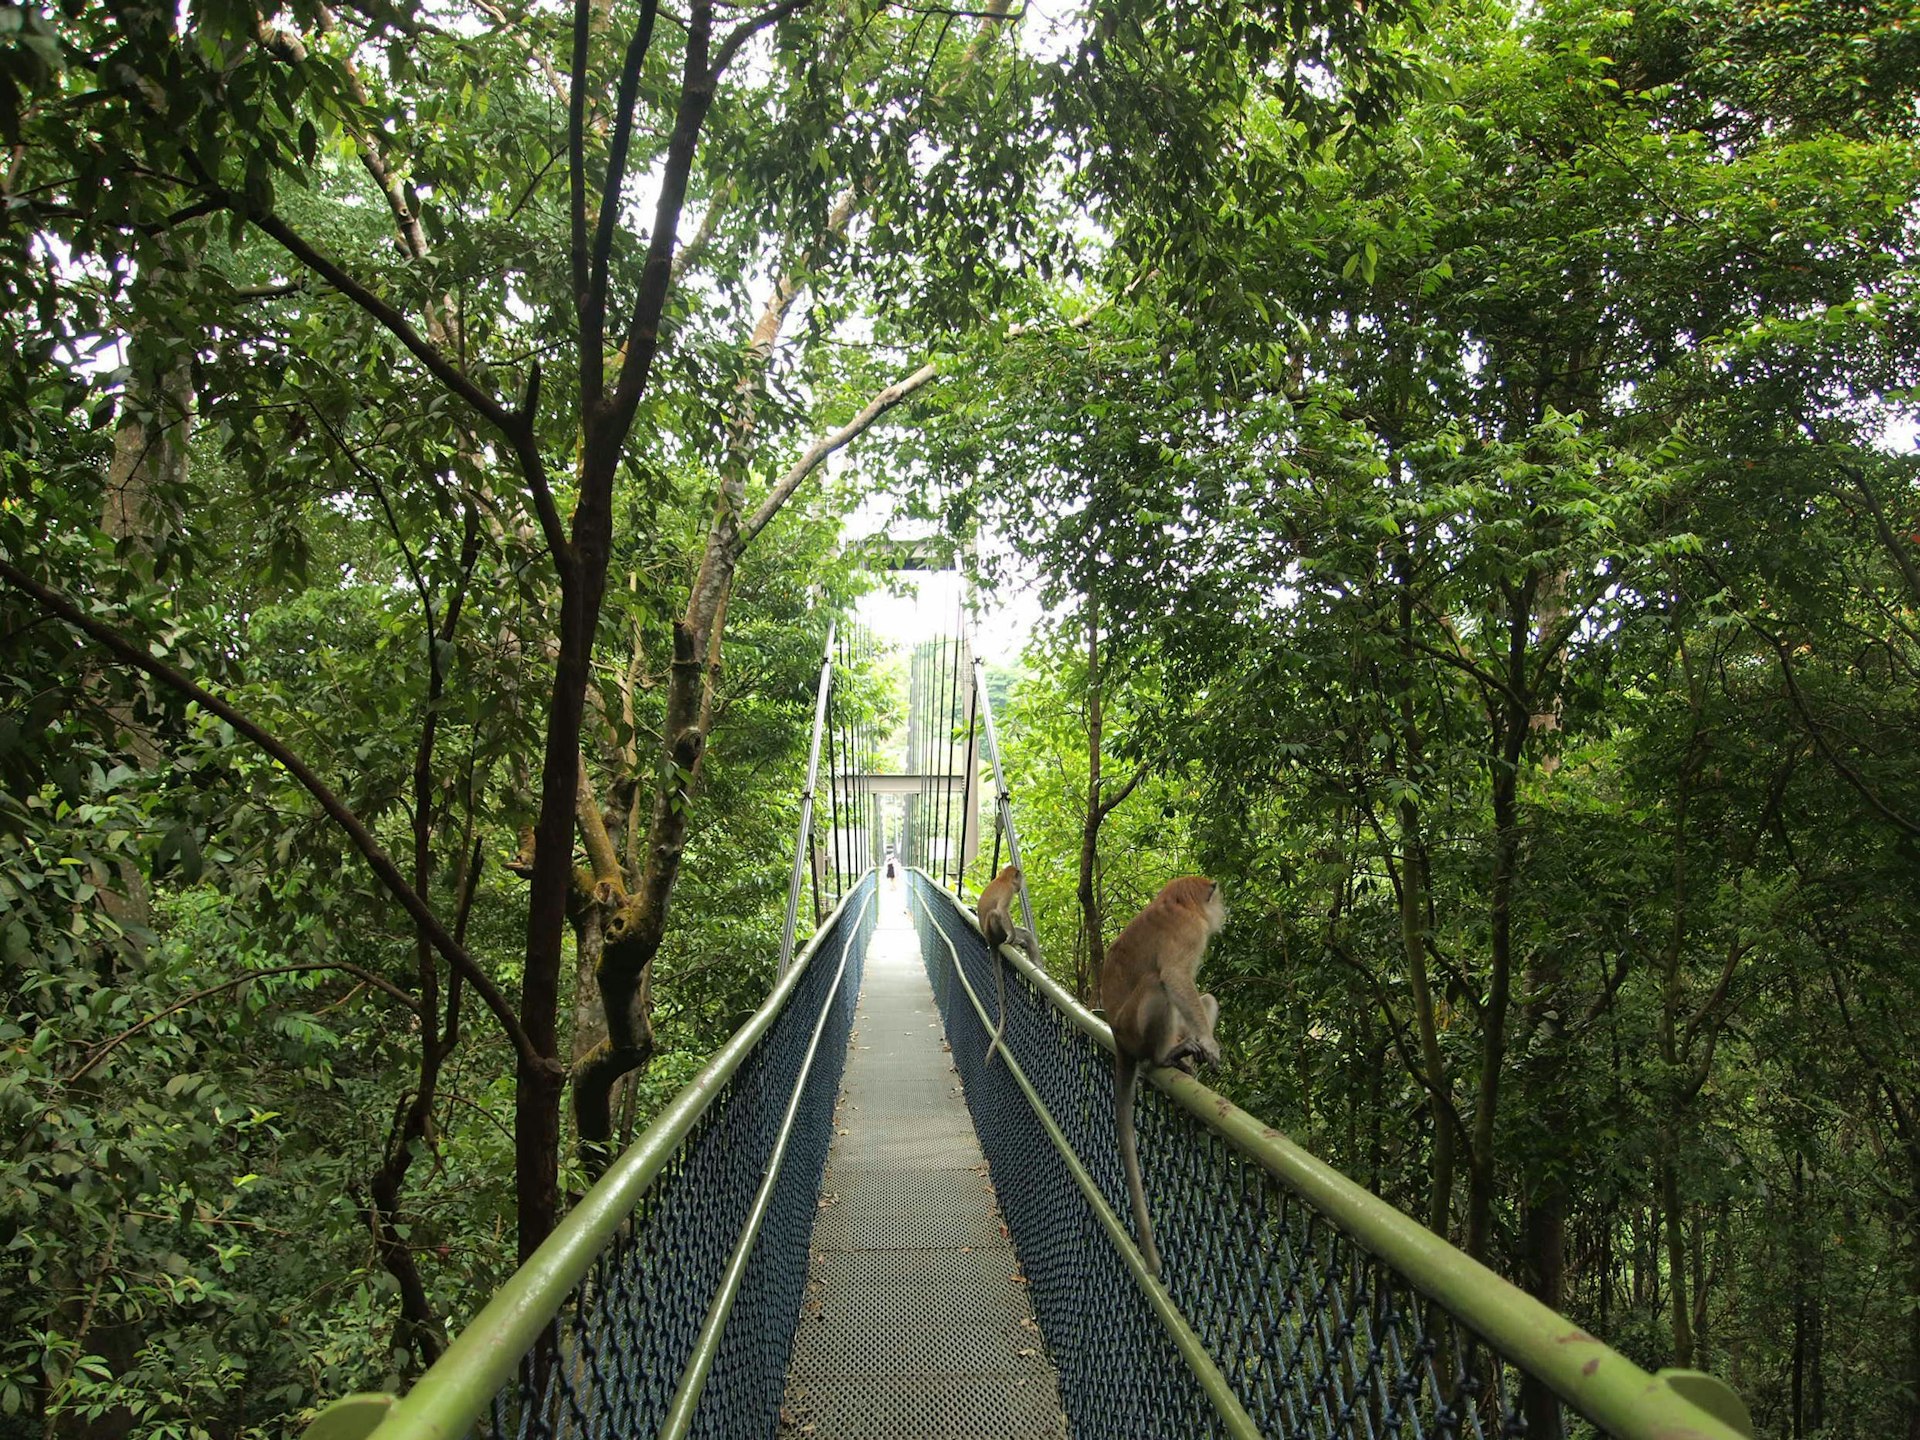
942	733
833	806
803	843
924	856
835	770
857	769
857	801
879	848
970	761
813	868
959	766
935	657
875	852
846	770
908	825
929	769
922	851
943	738
853	776
1002	800
953	765
951	808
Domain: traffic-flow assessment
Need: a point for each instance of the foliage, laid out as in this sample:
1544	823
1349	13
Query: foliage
1514	610
1461	427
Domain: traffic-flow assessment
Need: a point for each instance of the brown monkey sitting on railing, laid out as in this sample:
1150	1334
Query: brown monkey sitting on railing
996	923
996	912
1157	1011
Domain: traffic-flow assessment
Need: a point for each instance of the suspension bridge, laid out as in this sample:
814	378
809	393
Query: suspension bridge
891	1205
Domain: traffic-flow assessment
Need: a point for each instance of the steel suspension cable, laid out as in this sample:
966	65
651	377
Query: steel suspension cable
970	761
924	847
803	841
1003	798
936	674
833	809
922	851
952	765
847	768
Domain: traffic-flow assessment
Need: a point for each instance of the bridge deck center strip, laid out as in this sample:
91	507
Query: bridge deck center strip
916	1321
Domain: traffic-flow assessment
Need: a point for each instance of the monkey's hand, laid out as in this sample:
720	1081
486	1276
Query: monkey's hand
1189	1054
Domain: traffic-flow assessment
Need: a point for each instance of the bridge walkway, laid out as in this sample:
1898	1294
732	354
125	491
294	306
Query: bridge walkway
916	1320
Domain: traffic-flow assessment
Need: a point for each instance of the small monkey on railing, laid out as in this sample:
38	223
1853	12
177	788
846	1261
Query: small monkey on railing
1157	1012
996	912
996	923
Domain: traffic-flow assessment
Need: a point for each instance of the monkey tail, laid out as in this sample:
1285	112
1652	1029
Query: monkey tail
998	1038
1125	1072
998	933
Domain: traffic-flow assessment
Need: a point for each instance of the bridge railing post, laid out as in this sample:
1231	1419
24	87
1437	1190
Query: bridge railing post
801	846
1003	799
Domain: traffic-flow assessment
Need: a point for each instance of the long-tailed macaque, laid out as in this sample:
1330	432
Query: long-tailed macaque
996	911
1156	1010
996	923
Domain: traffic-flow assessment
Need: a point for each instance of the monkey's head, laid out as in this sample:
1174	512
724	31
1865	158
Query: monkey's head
1199	894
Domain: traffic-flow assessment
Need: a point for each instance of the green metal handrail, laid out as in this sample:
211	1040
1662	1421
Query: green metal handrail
693	1379
1186	1339
1596	1380
447	1401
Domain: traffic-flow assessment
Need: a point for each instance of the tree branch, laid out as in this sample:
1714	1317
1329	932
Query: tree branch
396	324
1815	730
1889	542
389	874
702	235
879	405
809	461
593	319
747	29
1107	807
366	977
592	339
1396	1029
643	324
593	828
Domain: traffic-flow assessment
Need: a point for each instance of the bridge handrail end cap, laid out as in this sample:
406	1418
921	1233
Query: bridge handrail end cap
1711	1394
351	1417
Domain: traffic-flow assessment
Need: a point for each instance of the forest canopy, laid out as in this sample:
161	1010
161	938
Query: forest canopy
1464	454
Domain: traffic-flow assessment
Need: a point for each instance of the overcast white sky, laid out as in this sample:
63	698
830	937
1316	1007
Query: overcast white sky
919	605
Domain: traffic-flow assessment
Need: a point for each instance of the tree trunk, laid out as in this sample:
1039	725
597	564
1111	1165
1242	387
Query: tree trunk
1912	1396
1670	1003
589	1019
539	1081
1545	1086
149	456
419	1328
1415	897
1676	1239
1546	1242
1798	1395
1092	922
1482	1172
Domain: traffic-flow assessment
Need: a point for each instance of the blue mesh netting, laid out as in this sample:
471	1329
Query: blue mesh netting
612	1357
1316	1336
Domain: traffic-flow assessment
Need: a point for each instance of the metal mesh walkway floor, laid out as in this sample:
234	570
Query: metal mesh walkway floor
916	1321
